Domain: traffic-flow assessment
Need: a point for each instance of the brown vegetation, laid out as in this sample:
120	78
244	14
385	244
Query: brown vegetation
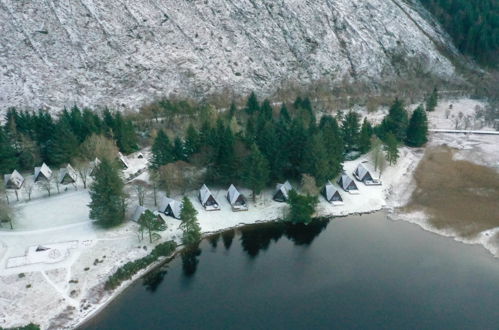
456	194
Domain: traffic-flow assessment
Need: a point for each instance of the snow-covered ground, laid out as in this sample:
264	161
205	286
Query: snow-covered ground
60	294
63	290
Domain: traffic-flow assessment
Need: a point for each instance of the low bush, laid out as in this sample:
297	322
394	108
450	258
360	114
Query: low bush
131	268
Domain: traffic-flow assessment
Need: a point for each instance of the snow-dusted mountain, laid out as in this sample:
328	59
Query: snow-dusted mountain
126	52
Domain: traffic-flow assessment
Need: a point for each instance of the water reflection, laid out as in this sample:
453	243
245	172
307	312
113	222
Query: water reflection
213	239
190	260
256	238
153	279
227	238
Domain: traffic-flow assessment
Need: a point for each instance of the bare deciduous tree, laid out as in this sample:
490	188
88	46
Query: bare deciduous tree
28	187
308	185
83	169
46	184
140	188
98	146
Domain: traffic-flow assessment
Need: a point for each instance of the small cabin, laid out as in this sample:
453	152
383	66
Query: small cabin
207	200
282	191
347	184
42	173
363	175
123	161
137	213
14	180
332	194
93	165
67	175
170	207
236	199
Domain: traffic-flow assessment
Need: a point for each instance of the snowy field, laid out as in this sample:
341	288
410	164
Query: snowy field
59	288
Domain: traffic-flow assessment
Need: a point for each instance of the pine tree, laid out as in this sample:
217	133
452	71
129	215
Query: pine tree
190	225
391	149
350	128
255	171
266	110
432	100
107	204
192	141
178	149
366	133
8	160
417	131
316	159
333	142
302	207
284	114
162	150
252	105
63	146
232	110
395	122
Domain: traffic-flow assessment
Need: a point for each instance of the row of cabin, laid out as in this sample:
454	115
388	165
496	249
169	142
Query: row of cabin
330	193
236	200
67	175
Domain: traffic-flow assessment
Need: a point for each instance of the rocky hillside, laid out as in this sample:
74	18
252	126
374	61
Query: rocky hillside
123	53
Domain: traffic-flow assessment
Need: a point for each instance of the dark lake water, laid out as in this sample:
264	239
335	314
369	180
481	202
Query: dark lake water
361	272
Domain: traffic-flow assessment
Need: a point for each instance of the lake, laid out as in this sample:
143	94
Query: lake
358	272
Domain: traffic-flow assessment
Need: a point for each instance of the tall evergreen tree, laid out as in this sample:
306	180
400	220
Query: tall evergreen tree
232	110
316	161
63	146
190	225
266	110
395	122
192	140
350	128
366	133
7	154
333	142
107	204
391	149
302	207
178	149
432	100
252	104
162	150
255	171
284	114
417	131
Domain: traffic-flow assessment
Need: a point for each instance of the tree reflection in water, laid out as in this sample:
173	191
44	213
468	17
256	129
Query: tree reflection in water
152	280
213	239
227	237
190	259
255	238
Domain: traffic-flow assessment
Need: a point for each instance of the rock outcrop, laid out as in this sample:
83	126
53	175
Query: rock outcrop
123	53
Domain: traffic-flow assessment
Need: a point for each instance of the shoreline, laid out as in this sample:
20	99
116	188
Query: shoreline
114	294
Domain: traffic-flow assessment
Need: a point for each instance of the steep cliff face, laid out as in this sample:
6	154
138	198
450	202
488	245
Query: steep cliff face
126	52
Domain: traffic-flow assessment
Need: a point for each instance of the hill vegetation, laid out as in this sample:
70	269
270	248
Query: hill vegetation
472	24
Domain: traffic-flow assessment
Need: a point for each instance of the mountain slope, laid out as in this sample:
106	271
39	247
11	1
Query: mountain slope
123	53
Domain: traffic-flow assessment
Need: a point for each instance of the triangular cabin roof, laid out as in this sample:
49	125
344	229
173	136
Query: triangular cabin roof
14	180
362	173
234	196
42	172
330	192
67	175
163	204
347	182
170	206
123	160
205	194
174	208
137	213
283	188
